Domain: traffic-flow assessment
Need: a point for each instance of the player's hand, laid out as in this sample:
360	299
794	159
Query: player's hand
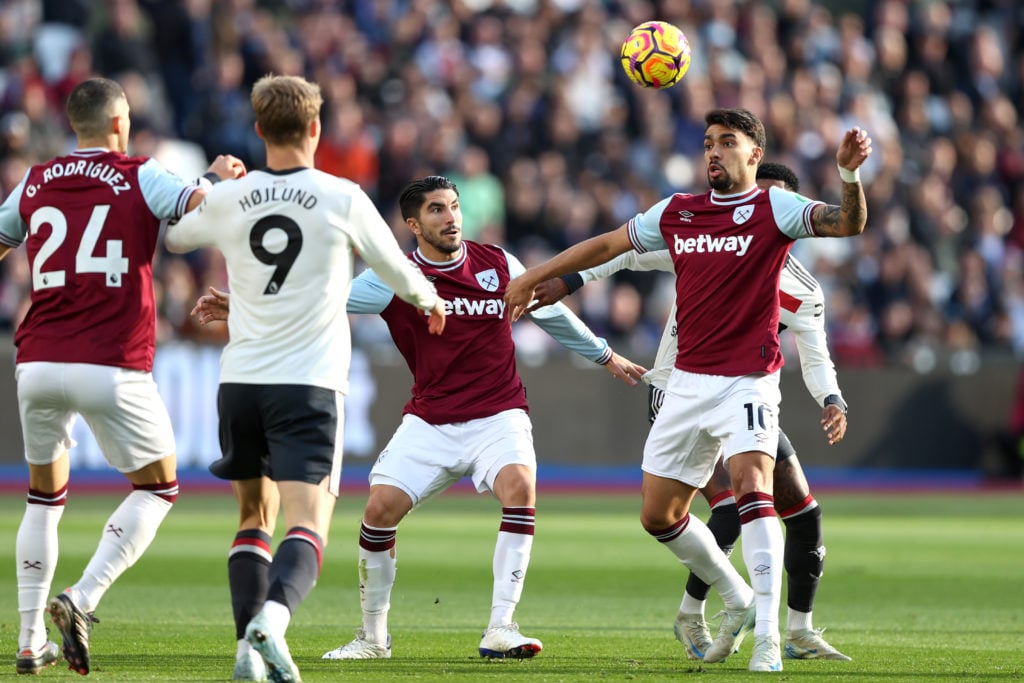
549	292
227	167
519	296
625	369
833	422
854	149
436	323
212	306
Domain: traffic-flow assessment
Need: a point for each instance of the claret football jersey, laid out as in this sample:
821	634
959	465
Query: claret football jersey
90	222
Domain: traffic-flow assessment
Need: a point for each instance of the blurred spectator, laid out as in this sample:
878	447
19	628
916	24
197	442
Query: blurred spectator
61	29
123	43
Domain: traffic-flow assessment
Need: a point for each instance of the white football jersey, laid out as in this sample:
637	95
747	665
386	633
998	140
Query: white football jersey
288	238
801	310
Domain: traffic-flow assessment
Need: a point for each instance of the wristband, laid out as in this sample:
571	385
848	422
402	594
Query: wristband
835	400
849	176
207	180
573	281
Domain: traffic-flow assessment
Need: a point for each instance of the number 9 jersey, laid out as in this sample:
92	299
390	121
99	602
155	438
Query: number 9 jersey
90	222
288	238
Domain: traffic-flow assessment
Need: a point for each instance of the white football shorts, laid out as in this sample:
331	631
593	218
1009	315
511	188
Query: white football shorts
424	459
704	415
122	408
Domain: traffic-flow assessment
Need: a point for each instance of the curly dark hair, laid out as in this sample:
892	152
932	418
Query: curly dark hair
771	170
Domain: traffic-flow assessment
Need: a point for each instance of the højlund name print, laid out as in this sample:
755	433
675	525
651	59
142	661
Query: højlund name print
708	244
278	193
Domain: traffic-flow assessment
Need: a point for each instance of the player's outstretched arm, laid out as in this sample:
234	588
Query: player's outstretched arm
519	293
549	292
850	217
625	369
212	306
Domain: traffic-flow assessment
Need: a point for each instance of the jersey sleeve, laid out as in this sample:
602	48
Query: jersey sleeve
563	325
807	323
377	245
644	228
369	294
192	230
630	260
12	227
792	212
166	194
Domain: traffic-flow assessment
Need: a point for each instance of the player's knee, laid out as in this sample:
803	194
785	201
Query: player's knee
518	491
383	511
655	522
515	485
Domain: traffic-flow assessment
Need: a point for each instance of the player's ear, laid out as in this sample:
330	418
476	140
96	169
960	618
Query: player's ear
756	156
414	225
256	127
314	128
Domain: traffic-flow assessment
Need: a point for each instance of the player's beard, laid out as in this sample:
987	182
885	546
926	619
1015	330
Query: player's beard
722	183
445	245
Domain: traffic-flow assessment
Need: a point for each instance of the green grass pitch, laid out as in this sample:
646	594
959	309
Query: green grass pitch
916	588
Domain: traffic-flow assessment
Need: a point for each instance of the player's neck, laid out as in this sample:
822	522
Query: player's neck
107	143
736	189
436	255
284	158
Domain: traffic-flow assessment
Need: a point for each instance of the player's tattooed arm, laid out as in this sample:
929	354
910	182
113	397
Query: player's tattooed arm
849	218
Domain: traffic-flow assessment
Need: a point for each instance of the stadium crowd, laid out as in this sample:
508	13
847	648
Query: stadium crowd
524	105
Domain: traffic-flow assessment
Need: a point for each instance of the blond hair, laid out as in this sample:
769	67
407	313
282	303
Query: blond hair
284	107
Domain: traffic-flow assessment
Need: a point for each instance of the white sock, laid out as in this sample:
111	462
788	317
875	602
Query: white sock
798	621
377	571
696	547
511	560
36	551
278	616
762	553
126	535
691	605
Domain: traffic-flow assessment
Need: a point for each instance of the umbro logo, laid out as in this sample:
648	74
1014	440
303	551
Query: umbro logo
686	216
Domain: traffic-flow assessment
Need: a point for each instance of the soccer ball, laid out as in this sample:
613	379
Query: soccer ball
656	54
